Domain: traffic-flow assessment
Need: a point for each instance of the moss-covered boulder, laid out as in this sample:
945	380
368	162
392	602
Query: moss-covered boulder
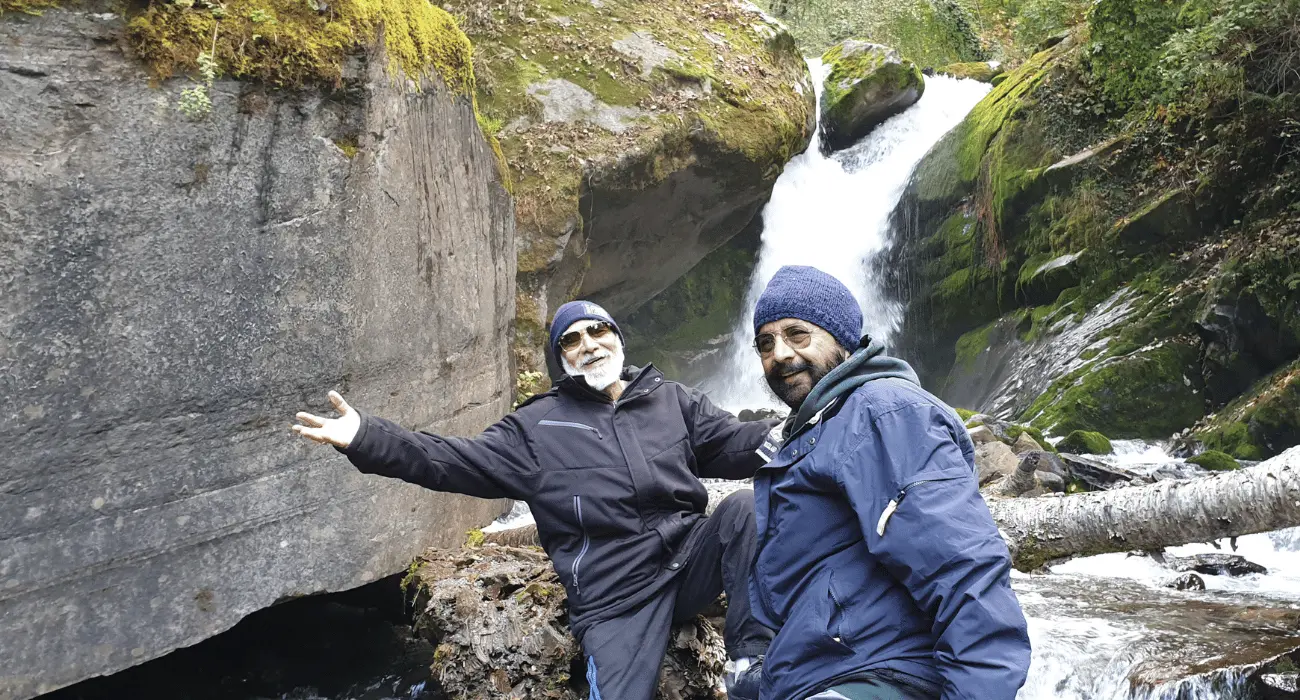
1085	442
640	137
983	71
866	84
1262	422
1215	461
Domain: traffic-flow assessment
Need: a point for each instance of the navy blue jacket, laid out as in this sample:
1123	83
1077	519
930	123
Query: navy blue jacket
854	583
614	486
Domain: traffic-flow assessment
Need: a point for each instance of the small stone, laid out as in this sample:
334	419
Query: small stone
1187	582
981	435
994	460
1025	443
1050	481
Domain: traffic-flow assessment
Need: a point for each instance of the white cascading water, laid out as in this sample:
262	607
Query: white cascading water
833	213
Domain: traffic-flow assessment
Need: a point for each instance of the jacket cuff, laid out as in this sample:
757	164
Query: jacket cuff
356	448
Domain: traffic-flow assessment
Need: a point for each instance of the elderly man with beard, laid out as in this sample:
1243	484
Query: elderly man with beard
878	562
609	460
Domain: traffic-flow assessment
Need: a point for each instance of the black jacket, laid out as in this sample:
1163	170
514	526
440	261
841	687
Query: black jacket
614	486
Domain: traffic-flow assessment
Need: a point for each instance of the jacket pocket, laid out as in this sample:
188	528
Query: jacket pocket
570	424
831	616
586	544
893	505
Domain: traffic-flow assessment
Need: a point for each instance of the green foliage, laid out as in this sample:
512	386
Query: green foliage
931	32
527	384
1085	442
1215	461
1182	56
1018	26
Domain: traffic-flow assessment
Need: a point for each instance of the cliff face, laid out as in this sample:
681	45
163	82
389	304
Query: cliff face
1109	241
172	291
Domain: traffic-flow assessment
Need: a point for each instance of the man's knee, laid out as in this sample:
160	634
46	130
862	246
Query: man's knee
737	510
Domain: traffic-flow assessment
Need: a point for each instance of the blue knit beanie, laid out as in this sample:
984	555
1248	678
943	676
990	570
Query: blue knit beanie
573	311
808	294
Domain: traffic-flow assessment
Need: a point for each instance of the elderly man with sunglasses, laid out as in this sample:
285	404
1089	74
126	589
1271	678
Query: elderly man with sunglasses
609	460
878	563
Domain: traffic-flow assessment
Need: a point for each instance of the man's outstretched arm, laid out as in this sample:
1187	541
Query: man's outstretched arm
725	448
496	464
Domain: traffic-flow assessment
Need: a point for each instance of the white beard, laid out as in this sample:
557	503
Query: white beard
600	377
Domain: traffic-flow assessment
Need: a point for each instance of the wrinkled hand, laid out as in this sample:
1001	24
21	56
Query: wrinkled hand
331	431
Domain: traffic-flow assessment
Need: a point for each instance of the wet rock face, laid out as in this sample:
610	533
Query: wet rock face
867	84
171	292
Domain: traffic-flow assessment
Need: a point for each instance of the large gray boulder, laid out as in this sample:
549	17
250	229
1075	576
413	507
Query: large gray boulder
867	84
172	291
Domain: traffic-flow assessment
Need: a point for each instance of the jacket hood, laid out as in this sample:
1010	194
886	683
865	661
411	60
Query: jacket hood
869	362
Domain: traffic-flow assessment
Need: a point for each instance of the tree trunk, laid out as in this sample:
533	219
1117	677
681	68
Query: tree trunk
1163	514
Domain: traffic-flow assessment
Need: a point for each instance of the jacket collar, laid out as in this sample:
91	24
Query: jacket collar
869	362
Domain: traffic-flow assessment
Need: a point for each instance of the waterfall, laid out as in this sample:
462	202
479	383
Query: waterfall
833	213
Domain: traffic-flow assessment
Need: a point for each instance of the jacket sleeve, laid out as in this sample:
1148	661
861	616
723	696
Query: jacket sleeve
941	544
498	463
725	448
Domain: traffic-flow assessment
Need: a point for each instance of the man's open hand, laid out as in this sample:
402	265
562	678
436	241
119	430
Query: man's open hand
331	431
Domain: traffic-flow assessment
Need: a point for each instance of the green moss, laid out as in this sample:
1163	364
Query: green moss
1145	394
349	146
1260	423
978	70
964	414
290	43
973	344
475	538
1215	461
27	7
1015	430
1085	442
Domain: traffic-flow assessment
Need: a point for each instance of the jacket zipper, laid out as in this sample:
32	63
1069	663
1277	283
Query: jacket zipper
586	542
567	424
893	505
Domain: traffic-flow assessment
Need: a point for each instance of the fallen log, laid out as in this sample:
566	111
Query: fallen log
1167	513
1164	514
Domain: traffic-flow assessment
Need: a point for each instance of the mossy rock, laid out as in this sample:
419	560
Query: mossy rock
1085	442
1215	461
965	414
867	84
1149	393
1016	430
983	71
292	43
1260	423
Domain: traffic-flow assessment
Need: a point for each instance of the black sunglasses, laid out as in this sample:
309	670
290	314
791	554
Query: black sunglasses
572	339
796	337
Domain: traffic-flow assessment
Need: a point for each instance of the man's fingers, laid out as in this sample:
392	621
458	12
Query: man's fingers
315	434
339	404
309	419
